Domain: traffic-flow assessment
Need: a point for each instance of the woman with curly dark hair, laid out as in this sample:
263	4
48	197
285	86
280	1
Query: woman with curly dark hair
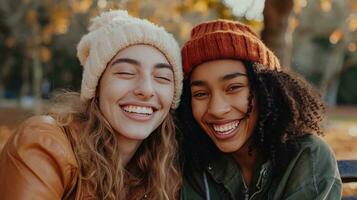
250	129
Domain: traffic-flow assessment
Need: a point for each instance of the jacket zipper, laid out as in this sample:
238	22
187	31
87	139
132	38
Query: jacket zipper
246	194
262	176
246	189
206	186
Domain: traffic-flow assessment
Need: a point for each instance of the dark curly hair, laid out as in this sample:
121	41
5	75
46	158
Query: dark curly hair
288	108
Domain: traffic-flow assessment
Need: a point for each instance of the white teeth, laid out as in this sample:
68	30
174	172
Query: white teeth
138	109
225	127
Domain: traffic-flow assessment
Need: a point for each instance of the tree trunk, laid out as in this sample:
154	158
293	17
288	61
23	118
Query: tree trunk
37	71
25	74
275	33
4	72
37	80
331	74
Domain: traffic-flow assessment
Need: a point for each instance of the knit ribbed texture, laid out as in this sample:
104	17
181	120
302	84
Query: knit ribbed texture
115	30
225	39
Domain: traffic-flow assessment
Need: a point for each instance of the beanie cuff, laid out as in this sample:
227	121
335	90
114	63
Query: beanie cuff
224	39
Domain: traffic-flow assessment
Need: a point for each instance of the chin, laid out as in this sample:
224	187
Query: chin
137	136
134	133
226	149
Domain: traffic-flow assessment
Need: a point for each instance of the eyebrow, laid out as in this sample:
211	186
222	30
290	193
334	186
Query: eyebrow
231	76
125	60
224	78
163	66
198	83
135	62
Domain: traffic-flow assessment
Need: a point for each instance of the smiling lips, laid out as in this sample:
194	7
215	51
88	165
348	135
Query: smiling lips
226	130
138	113
138	109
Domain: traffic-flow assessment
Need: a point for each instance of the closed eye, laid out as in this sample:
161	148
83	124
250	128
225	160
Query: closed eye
125	75
164	75
164	78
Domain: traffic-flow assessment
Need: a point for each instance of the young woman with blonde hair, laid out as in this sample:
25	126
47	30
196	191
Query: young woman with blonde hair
116	138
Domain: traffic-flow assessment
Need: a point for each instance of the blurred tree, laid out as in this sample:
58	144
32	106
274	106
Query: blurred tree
6	64
347	90
320	48
35	28
39	37
276	34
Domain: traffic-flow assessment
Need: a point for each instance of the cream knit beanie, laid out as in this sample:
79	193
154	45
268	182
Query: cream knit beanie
113	31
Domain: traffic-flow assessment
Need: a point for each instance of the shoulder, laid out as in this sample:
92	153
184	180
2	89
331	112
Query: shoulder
313	170
193	184
314	154
38	153
41	134
315	148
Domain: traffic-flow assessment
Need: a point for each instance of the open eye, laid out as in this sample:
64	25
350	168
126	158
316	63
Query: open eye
199	95
234	87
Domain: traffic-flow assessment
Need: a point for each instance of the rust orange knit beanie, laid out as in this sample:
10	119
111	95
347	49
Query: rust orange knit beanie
225	39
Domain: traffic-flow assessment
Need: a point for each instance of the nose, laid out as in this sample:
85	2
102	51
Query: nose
218	106
144	88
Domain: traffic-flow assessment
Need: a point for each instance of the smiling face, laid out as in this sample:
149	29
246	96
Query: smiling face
220	91
136	92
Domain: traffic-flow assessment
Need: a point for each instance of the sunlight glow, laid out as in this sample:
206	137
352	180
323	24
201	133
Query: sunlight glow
336	36
325	5
352	47
250	9
353	131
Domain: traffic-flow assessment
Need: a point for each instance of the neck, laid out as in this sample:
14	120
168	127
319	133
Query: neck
127	148
246	162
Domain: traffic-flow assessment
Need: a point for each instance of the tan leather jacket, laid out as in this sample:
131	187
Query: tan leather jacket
38	163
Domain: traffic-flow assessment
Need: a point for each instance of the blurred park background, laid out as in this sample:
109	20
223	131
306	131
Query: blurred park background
317	38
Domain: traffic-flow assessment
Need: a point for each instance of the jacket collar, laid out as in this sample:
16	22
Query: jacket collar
226	171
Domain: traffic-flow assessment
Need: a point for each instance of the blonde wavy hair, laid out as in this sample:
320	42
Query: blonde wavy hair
152	173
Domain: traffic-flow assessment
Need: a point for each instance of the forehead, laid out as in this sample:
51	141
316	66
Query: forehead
142	53
216	69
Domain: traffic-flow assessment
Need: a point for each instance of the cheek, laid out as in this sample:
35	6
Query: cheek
113	89
254	116
198	109
166	93
240	101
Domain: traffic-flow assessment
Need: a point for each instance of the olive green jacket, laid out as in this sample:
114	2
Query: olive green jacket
311	174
